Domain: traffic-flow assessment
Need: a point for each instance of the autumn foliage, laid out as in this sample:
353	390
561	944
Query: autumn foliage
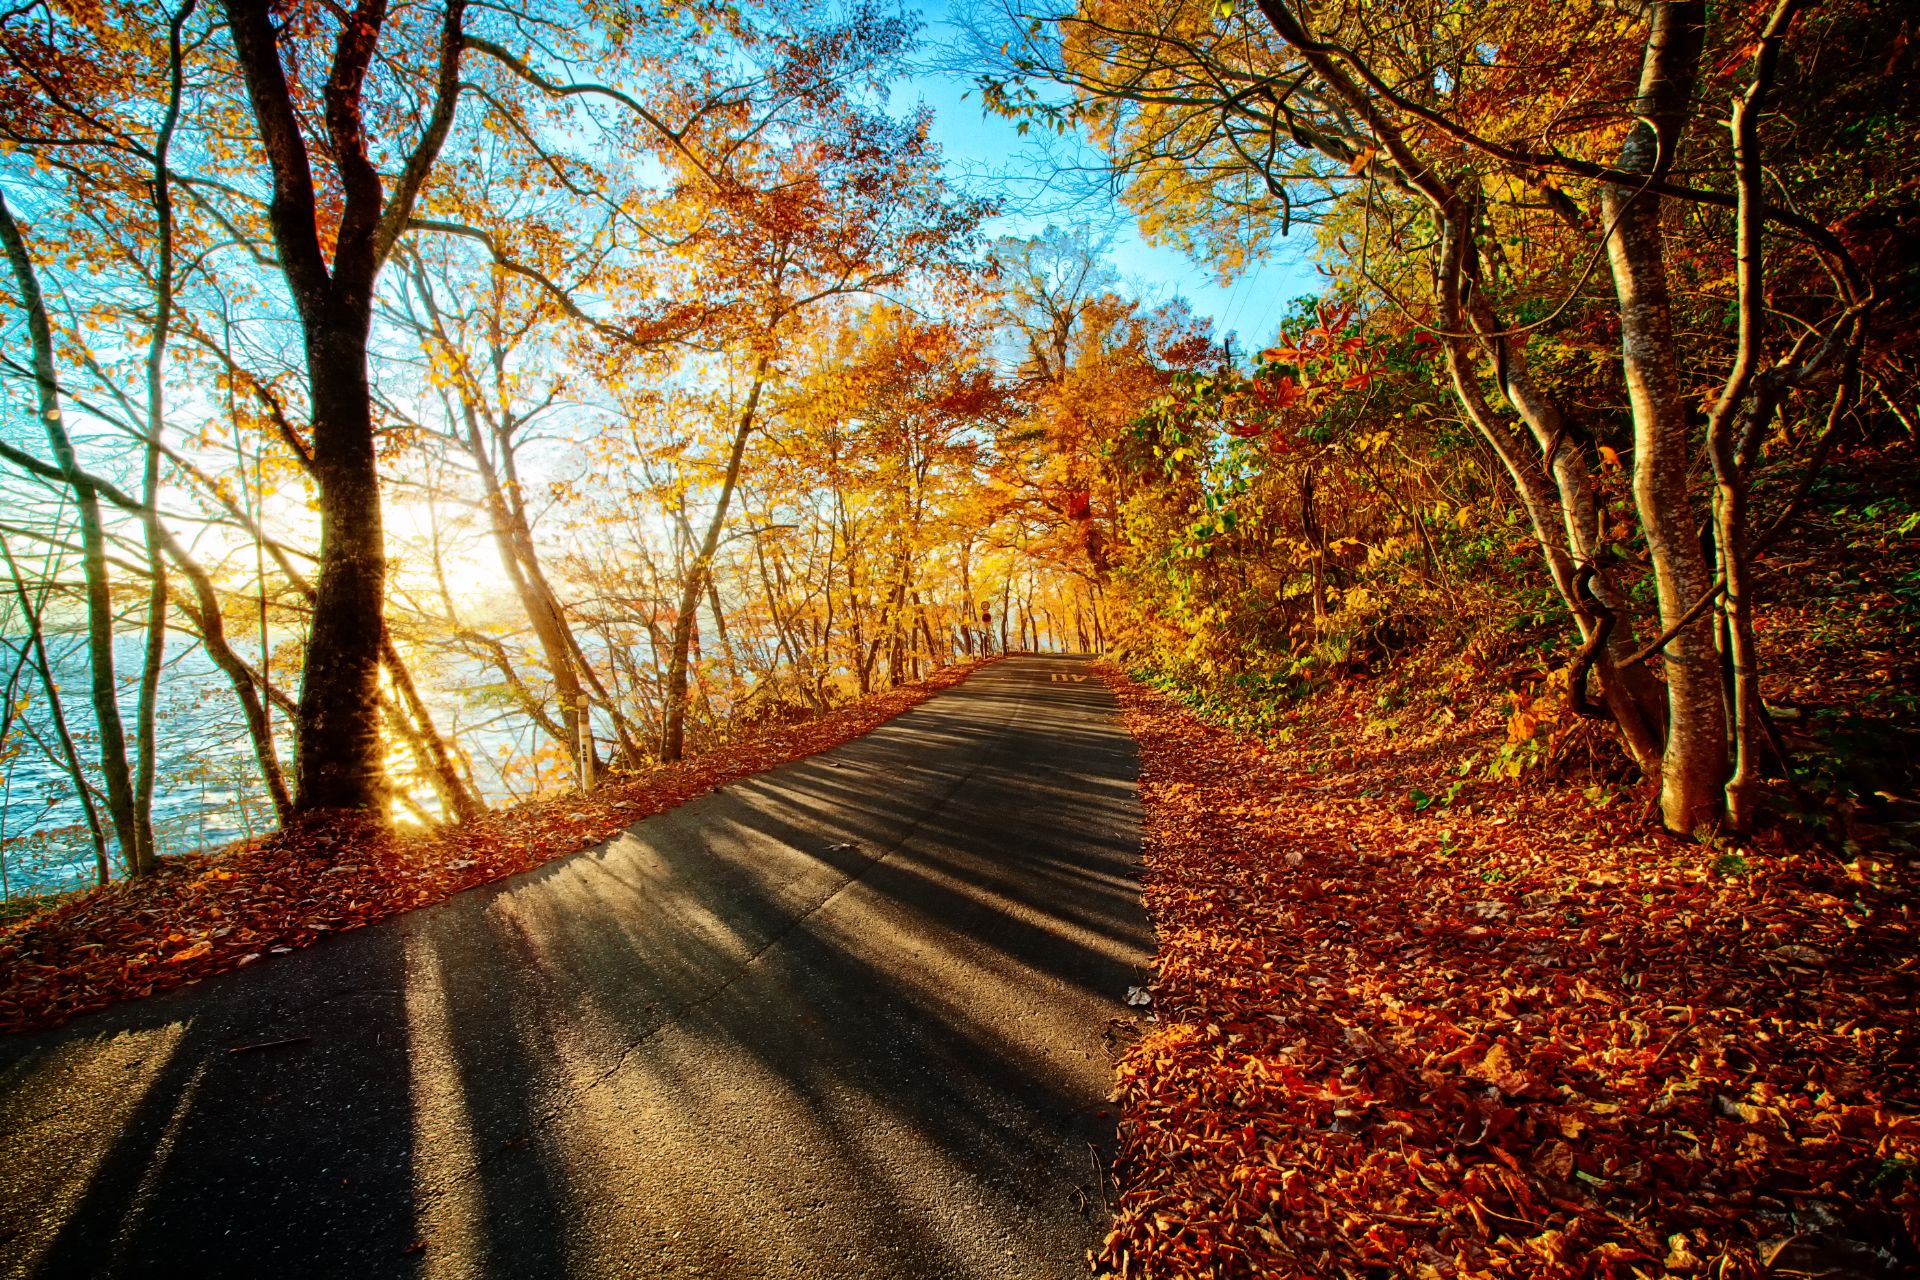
517	421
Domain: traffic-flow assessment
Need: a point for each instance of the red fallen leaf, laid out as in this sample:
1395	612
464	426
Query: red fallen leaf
193	952
1496	1068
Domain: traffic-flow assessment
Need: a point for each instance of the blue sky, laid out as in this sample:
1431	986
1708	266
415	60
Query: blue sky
987	154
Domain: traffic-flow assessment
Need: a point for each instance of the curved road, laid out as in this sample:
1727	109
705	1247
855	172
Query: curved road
849	1018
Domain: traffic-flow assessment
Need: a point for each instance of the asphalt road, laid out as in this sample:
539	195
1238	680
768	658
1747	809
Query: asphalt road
849	1018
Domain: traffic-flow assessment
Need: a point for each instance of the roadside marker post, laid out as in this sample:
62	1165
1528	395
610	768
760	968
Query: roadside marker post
586	744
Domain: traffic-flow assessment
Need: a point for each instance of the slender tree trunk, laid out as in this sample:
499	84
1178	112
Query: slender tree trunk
925	626
536	602
673	739
721	634
429	747
146	746
93	547
823	643
1549	479
146	712
70	755
543	598
899	634
1694	765
1724	447
254	690
1310	526
253	708
785	640
858	661
1629	693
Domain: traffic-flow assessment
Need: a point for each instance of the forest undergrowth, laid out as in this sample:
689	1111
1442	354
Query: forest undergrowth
208	913
1409	1027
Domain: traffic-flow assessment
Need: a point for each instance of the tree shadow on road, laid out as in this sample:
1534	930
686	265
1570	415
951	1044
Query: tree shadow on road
841	1019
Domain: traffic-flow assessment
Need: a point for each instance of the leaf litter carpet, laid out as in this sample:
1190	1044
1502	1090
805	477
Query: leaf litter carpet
1531	1040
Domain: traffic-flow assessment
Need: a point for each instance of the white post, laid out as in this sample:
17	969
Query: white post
586	743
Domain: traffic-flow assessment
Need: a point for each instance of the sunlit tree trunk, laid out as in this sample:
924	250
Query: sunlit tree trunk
1694	765
1548	476
673	737
423	737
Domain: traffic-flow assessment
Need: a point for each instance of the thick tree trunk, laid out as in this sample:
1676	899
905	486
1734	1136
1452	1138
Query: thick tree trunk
337	756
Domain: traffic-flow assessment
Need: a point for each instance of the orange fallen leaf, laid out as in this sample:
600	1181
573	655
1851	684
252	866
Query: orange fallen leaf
193	952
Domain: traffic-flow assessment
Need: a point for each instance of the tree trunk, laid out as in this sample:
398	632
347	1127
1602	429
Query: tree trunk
429	748
93	548
253	707
1550	479
146	715
70	755
925	626
1694	765
540	598
720	634
337	756
542	611
673	738
1630	696
1317	556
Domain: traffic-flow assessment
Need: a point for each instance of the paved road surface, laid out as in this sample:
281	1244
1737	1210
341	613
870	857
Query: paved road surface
843	1019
